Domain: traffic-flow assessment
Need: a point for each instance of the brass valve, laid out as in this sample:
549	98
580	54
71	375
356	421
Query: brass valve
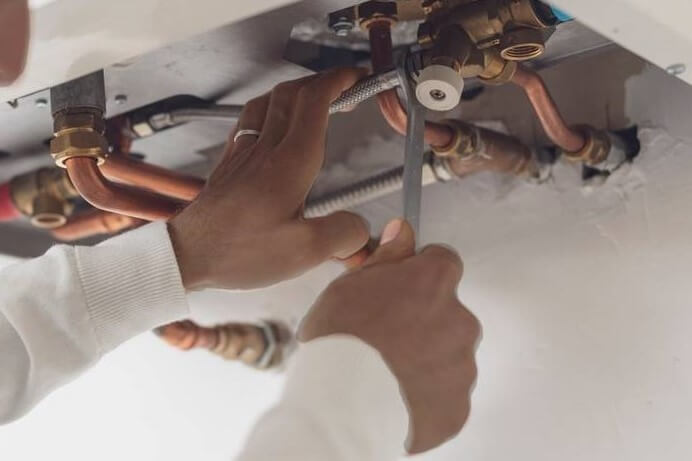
44	196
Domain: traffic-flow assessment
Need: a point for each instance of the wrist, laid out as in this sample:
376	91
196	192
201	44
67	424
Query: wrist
192	273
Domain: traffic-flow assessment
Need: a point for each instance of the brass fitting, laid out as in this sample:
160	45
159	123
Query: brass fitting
79	134
514	27
259	346
477	149
522	44
44	196
365	14
465	143
497	70
596	149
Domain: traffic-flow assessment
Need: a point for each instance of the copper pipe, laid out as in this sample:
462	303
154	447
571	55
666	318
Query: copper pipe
95	189
380	32
499	153
128	171
436	134
554	125
381	48
232	341
93	223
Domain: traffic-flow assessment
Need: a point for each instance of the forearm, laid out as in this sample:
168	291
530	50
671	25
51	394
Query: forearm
341	402
61	312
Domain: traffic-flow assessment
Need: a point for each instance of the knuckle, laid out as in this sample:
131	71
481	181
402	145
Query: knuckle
285	88
252	106
443	266
472	323
309	92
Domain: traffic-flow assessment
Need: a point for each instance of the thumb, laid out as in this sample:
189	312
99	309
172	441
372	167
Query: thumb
398	242
339	235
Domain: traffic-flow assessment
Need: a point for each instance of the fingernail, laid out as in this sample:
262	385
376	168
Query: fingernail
391	231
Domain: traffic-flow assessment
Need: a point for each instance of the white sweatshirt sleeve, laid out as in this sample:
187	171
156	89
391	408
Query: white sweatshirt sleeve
61	312
341	403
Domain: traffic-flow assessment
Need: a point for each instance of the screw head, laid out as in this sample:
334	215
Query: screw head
676	69
343	27
438	95
41	102
120	99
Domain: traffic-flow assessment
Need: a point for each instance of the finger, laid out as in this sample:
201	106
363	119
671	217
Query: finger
443	263
252	117
14	39
340	235
308	128
397	243
280	113
358	259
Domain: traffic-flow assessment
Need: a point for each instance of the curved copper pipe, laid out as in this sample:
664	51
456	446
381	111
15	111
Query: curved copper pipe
232	341
128	171
92	223
436	134
543	104
380	33
500	153
95	189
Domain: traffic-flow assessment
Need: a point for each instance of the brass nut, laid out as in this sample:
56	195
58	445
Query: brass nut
49	211
464	144
498	71
373	11
82	120
522	44
595	150
78	143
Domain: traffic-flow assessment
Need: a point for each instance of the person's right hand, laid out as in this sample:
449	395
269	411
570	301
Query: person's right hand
405	305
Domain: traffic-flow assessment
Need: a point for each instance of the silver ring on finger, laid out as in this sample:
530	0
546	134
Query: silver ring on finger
242	133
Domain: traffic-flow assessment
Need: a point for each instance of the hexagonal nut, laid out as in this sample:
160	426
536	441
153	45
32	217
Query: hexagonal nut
498	71
595	150
86	119
48	211
85	143
464	143
522	44
377	10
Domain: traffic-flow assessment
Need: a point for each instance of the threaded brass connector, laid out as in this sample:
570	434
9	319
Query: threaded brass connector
79	134
595	150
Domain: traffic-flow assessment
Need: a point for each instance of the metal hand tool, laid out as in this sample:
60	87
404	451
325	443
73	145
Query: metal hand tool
413	156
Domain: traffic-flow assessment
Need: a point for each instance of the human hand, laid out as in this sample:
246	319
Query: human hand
405	306
246	228
14	39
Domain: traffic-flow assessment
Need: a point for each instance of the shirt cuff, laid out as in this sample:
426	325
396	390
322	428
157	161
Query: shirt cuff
131	284
351	392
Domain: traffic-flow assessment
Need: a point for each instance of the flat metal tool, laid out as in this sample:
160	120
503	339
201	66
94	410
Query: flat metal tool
415	144
413	155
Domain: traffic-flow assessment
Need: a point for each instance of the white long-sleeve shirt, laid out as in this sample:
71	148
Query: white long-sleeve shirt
61	312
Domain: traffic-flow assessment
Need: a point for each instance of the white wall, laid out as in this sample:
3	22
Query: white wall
584	298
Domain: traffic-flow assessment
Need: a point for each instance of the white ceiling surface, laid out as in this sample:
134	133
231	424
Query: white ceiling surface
584	298
71	38
658	31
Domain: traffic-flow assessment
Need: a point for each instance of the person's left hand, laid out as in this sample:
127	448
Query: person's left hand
14	39
246	229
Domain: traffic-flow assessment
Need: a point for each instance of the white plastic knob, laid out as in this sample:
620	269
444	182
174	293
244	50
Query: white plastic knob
439	88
